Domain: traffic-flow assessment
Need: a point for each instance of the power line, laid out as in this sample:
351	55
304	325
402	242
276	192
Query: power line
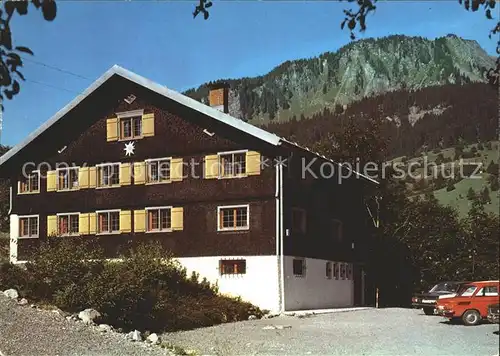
56	68
52	86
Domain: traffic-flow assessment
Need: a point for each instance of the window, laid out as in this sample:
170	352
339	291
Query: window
108	175
298	220
467	291
232	164
329	271
108	222
232	267
30	183
336	270
130	127
159	219
299	267
342	271
233	217
158	170
489	291
67	178
349	271
68	224
28	226
336	226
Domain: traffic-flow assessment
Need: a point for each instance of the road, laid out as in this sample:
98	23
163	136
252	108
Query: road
391	331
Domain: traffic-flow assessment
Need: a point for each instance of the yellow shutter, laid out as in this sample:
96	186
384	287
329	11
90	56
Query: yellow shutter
51	225
92	177
176	170
83	177
177	219
125	178
139	172
211	166
125	221
148	125
253	163
112	129
92	223
83	224
51	181
140	220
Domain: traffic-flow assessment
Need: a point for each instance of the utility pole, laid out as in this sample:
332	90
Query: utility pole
1	125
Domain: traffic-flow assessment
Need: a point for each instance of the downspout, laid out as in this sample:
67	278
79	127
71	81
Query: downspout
278	260
10	200
282	262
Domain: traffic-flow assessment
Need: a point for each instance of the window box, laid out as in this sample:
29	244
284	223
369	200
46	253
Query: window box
234	217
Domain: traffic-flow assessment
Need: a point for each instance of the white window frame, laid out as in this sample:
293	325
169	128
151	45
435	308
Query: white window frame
38	226
304	222
59	189
30	192
97	180
151	160
114	232
220	228
232	275
127	115
304	267
340	238
69	223
146	223
219	162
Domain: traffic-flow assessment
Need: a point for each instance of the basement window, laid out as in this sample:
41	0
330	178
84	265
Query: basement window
299	267
28	227
329	270
30	183
342	271
232	267
336	270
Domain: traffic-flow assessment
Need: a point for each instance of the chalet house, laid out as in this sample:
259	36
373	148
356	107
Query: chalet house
130	160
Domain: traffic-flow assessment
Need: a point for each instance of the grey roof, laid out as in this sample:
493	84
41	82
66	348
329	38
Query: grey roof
168	93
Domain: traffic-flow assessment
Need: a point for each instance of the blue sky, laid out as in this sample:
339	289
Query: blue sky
161	41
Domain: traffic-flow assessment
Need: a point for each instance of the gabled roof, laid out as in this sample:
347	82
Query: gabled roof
170	94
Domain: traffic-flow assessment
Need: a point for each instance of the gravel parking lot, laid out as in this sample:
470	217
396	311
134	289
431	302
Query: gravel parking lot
391	331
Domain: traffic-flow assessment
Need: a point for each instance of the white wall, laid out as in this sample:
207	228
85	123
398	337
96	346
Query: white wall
314	290
258	286
14	234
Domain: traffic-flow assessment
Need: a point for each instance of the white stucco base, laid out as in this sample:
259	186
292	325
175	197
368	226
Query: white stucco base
14	235
314	290
258	286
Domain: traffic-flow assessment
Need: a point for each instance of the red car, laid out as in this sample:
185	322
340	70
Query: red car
471	302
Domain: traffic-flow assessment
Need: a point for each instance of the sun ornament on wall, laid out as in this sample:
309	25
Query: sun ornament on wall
129	148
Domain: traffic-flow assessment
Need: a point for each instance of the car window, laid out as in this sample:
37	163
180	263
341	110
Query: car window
488	291
468	291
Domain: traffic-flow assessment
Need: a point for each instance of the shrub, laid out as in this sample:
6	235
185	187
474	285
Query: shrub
145	289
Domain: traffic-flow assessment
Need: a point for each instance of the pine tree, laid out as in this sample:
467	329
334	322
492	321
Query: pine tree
471	195
485	195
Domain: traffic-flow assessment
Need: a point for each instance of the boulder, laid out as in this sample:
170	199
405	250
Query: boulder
88	316
11	293
23	301
153	339
105	328
252	317
134	335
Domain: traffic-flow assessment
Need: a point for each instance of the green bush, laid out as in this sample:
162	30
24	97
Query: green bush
145	289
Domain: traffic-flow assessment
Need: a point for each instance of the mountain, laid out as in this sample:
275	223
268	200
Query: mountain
359	69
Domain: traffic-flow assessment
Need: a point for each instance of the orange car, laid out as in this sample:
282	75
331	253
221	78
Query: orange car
470	303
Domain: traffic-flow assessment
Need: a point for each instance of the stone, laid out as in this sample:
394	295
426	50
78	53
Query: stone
11	293
134	335
281	327
153	339
105	328
268	327
252	317
23	301
88	316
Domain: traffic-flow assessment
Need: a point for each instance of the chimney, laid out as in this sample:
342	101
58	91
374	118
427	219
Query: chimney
218	97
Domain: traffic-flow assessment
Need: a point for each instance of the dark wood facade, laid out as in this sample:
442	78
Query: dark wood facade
179	132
